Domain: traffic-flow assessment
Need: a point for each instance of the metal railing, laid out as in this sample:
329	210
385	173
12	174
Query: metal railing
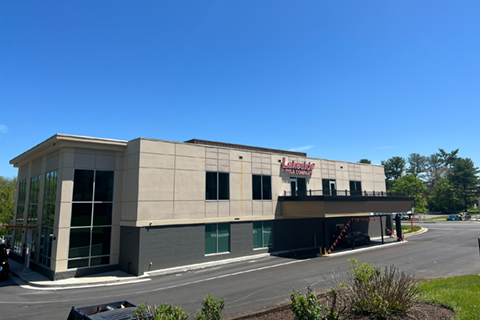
343	193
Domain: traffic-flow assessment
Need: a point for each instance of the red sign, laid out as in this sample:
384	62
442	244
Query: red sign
302	168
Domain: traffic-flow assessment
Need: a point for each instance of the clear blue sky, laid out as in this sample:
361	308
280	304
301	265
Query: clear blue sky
341	80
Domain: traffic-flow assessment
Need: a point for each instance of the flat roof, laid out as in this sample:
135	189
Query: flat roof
244	147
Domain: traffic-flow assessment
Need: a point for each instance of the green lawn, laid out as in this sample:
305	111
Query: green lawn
408	228
461	293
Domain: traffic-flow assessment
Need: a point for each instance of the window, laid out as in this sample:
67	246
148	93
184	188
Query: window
329	187
261	187
32	214
217	238
48	218
355	188
17	238
91	219
262	234
217	186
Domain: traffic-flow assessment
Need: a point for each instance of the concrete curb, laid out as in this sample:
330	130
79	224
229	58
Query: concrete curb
423	230
199	266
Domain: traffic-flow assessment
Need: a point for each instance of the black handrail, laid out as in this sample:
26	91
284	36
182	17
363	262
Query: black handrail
343	193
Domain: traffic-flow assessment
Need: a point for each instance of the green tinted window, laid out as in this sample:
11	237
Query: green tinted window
257	234
223	237
210	238
267	234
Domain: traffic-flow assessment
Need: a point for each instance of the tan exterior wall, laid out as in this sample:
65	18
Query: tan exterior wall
163	183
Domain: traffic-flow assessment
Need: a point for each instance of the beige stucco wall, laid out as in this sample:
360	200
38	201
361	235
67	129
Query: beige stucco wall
171	182
161	182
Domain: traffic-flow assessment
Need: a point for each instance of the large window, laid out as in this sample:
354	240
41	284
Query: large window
20	218
48	218
262	234
261	187
355	188
217	238
32	214
217	186
91	220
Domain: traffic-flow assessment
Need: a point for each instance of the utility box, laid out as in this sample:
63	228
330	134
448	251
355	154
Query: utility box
120	310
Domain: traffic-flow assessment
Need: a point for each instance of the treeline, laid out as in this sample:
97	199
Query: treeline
437	182
8	190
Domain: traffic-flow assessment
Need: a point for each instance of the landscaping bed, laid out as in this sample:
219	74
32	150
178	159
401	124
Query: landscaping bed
420	311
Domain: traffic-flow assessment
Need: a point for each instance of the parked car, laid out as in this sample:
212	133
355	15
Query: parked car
465	216
4	265
360	238
453	217
8	241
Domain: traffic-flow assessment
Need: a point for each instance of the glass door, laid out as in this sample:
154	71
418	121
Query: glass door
293	186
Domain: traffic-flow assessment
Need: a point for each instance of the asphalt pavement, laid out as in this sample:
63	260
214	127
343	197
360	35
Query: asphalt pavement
447	249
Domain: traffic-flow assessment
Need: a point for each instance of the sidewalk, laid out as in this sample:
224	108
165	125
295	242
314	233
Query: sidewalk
39	281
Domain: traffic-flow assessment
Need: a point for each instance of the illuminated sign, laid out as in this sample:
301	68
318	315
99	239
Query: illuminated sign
301	168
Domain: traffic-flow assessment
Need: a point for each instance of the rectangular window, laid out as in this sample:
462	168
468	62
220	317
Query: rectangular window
48	218
261	187
20	217
262	234
355	188
91	219
217	186
217	238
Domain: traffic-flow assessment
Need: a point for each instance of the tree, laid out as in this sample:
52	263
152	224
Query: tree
417	165
444	196
448	157
8	191
365	161
435	170
394	169
412	187
463	176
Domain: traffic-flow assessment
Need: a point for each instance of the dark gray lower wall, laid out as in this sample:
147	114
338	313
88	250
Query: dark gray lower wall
129	249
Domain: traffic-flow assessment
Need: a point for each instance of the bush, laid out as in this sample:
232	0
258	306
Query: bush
369	292
163	312
305	307
211	309
309	307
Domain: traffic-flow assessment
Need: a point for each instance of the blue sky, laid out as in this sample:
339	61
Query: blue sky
341	80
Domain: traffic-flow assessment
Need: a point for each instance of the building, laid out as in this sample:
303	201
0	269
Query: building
87	205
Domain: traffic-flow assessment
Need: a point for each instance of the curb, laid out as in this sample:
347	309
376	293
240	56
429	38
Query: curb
423	230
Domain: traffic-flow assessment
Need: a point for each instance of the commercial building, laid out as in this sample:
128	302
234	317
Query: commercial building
88	205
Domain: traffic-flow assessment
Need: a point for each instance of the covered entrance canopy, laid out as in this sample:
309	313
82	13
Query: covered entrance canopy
338	205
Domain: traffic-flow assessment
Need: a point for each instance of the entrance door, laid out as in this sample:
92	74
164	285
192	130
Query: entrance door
293	186
333	187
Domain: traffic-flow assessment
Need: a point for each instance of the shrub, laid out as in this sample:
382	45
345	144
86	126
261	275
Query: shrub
211	309
305	307
163	312
309	307
369	292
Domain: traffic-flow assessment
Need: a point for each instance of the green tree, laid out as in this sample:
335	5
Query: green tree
444	196
8	189
412	187
365	161
448	157
463	176
435	170
417	165
394	169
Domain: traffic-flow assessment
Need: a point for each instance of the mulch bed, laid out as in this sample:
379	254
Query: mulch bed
423	311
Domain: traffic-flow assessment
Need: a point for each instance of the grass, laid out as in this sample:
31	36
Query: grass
462	294
408	228
439	218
